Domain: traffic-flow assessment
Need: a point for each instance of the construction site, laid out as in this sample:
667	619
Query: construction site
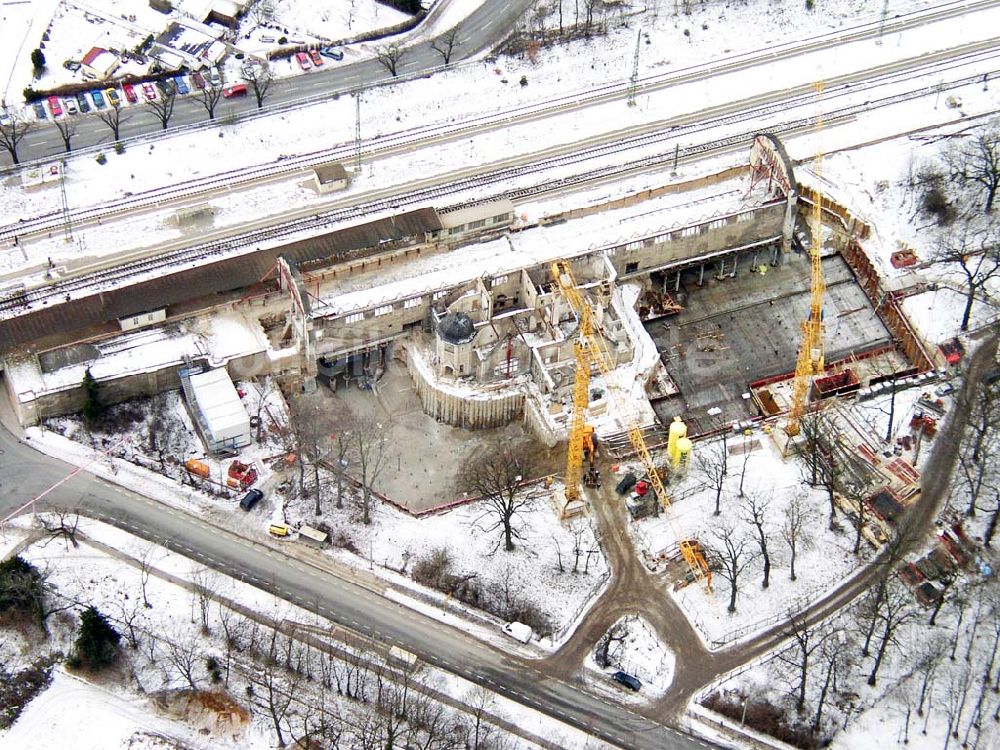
764	312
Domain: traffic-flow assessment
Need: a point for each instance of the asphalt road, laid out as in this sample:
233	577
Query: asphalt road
24	474
484	28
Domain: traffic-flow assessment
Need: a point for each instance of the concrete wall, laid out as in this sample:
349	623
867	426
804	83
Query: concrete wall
31	409
473	411
687	244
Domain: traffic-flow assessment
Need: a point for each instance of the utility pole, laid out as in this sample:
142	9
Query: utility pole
634	79
357	135
67	220
881	22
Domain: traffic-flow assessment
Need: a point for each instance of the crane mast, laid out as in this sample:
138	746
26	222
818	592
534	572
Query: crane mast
810	360
590	351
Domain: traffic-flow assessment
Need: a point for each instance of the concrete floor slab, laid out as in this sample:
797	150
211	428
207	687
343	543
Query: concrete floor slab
737	330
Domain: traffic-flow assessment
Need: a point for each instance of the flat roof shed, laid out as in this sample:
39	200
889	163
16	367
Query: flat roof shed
220	412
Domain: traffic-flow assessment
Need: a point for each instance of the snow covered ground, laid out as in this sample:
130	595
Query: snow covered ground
127	705
635	649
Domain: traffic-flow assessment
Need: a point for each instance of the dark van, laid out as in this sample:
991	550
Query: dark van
240	89
250	499
624	678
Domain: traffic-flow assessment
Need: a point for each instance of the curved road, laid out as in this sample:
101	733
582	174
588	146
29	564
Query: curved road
24	473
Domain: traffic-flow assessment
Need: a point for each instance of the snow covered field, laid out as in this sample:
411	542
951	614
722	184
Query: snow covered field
138	706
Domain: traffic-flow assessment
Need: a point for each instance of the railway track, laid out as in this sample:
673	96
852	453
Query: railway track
382	146
25	299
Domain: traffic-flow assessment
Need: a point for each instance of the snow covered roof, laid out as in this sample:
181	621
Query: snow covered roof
100	62
219	403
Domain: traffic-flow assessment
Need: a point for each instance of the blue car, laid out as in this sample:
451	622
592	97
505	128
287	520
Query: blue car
40	112
98	98
624	678
333	53
181	84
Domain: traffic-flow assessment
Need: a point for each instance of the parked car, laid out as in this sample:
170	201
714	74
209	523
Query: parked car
69	104
944	389
316	58
518	631
81	99
55	106
40	112
250	499
149	91
240	89
72	65
198	80
303	60
624	678
130	94
333	53
181	84
113	99
214	78
98	98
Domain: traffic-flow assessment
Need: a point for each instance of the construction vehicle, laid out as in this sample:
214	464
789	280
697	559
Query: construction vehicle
592	476
590	351
810	359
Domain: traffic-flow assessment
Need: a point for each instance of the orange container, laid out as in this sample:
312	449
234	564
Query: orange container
197	468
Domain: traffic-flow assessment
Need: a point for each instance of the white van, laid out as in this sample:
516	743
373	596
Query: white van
518	631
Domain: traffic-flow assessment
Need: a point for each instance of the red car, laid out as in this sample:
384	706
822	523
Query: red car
240	89
149	91
198	79
55	106
129	90
315	57
303	60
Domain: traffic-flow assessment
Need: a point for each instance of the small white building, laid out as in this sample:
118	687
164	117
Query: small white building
99	63
217	409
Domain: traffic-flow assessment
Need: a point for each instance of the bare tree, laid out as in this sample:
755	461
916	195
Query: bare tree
796	528
67	129
368	442
975	253
209	98
835	659
897	608
12	132
203	584
279	685
496	477
729	556
755	514
713	469
260	78
445	44
975	159
163	105
129	612
61	524
613	638
313	428
805	641
390	56
145	568
184	655
114	117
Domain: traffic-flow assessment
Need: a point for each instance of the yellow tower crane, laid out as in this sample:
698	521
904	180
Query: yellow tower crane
590	351
810	361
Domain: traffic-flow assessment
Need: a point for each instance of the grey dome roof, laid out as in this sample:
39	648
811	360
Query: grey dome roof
456	328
